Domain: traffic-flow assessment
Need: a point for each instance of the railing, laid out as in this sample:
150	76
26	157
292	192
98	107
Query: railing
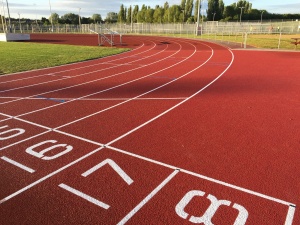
103	32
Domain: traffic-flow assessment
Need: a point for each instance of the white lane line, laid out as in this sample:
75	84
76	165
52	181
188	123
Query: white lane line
83	74
237	188
17	164
77	137
3	114
202	176
145	93
290	215
104	99
142	157
48	176
178	104
32	123
75	99
148	198
92	81
84	196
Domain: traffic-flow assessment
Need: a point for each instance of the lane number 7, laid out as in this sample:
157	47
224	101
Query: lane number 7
115	167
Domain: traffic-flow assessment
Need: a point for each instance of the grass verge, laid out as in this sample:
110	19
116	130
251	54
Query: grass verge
264	41
20	56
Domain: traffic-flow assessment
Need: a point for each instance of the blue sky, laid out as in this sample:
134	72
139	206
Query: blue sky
40	8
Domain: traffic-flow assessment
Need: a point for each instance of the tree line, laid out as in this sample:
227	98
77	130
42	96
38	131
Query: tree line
185	12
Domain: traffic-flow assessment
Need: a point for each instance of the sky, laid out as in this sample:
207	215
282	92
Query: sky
36	9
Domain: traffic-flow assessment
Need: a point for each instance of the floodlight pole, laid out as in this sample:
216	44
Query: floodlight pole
51	16
3	18
79	18
9	22
132	18
20	23
198	19
241	14
261	16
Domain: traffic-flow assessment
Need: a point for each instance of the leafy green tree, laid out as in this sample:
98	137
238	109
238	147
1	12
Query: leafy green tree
129	12
122	15
229	12
70	18
142	14
135	14
158	14
54	18
149	15
166	16
111	17
96	18
213	11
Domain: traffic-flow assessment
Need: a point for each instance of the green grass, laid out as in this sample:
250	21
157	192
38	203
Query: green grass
264	41
19	56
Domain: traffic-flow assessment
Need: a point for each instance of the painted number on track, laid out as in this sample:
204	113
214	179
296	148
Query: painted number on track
114	166
66	148
211	210
10	133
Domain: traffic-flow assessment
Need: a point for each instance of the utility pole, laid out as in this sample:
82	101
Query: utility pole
51	16
241	14
79	21
20	23
261	16
198	16
3	19
9	22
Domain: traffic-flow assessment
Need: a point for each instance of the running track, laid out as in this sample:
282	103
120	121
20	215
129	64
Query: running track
175	131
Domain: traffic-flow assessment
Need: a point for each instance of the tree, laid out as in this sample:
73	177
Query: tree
111	17
166	17
128	18
158	14
221	8
135	14
213	11
229	12
54	18
122	15
45	21
96	18
189	8
70	18
149	15
142	14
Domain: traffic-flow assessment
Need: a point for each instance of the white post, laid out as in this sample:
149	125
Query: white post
279	40
245	42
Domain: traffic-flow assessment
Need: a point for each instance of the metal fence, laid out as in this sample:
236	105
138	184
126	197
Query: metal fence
210	27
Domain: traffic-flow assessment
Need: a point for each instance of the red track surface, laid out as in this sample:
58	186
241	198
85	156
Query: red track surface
173	132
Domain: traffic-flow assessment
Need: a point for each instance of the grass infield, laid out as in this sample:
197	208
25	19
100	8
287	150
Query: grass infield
19	56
